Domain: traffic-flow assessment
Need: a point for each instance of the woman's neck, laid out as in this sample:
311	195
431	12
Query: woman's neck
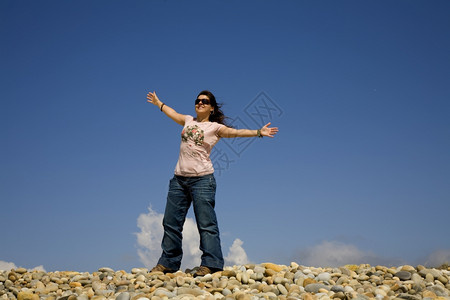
202	118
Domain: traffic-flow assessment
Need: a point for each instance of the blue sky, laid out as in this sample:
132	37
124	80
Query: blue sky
359	172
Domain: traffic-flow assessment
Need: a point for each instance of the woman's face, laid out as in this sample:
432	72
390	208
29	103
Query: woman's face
203	107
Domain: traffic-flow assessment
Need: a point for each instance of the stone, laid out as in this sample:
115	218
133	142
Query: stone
106	270
123	296
27	296
442	279
345	271
308	296
339	295
324	276
68	297
408	268
273	267
242	296
361	297
51	287
428	294
180	280
408	296
435	273
438	290
282	289
403	275
190	291
343	279
162	292
226	292
337	288
416	278
229	273
308	280
270	272
13	276
277	280
315	287
74	284
141	297
244	278
429	277
380	292
21	270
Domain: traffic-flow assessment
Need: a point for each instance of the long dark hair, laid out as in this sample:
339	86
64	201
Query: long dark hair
217	114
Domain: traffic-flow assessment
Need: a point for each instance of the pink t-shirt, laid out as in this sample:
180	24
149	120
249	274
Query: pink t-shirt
197	140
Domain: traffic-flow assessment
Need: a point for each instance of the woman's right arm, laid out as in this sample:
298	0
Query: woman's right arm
170	112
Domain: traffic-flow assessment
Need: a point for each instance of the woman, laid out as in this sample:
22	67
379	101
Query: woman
194	182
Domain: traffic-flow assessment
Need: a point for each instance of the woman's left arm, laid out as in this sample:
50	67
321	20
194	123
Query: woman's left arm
227	132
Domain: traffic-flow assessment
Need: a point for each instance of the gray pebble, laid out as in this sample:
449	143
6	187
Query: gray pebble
325	276
403	275
337	288
438	290
315	287
123	296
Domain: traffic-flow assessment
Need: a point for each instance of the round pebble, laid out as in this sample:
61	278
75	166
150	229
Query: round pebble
403	275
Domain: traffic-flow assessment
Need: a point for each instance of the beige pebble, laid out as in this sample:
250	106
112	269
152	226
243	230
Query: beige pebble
273	267
74	284
429	277
308	296
27	296
428	294
21	270
442	279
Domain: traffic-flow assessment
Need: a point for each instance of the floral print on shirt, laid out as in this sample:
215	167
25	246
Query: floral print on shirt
194	133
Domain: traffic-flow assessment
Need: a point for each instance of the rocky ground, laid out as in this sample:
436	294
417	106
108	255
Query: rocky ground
248	282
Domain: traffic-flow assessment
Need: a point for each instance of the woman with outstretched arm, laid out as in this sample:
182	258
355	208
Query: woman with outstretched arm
194	182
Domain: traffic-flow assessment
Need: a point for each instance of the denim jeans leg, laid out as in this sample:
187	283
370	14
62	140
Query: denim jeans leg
203	197
177	206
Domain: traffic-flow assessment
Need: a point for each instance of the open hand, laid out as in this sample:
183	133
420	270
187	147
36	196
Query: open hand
153	99
270	132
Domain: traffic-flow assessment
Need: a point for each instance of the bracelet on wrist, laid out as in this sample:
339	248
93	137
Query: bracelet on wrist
258	133
162	105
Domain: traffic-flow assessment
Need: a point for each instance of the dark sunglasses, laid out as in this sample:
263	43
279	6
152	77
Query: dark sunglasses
204	101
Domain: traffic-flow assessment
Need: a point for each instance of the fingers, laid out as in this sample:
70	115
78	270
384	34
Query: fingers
269	132
272	131
151	97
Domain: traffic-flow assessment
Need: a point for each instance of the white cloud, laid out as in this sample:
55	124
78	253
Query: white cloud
6	266
151	233
438	257
38	268
236	255
336	254
331	254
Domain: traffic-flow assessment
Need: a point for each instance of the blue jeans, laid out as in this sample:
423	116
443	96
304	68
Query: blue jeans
201	192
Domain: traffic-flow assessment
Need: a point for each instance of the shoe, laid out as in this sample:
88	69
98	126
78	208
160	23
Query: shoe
204	270
161	268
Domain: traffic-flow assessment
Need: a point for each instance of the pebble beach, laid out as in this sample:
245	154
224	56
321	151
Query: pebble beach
243	282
